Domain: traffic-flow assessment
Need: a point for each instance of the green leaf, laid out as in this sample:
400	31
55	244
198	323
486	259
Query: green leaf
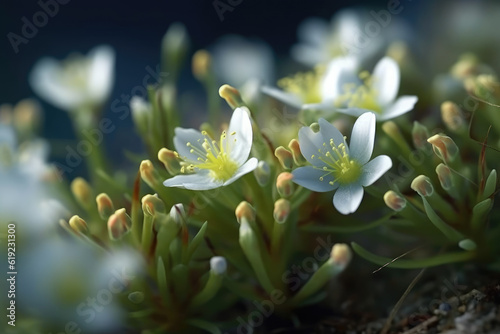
357	227
412	263
480	213
446	229
193	245
491	185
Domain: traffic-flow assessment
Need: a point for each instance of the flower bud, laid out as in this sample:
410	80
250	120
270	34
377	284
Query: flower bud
170	160
245	210
149	174
487	85
136	297
314	127
178	214
201	64
105	206
281	210
232	96
444	147
82	191
151	204
218	265
420	134
78	224
444	175
422	185
175	46
141	111
298	158
284	184
452	116
394	201
119	224
262	173
284	156
26	116
341	255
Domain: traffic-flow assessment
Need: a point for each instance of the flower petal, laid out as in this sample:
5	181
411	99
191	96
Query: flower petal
239	136
401	106
101	73
348	198
356	112
46	82
363	138
184	136
340	71
374	169
199	181
386	80
310	142
287	98
328	131
309	177
247	167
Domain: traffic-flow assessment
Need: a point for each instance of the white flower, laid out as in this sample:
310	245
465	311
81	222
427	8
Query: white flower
346	90
299	90
214	164
349	33
336	166
78	81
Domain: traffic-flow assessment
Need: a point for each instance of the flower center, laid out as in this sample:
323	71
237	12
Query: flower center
75	72
338	163
214	156
306	85
362	96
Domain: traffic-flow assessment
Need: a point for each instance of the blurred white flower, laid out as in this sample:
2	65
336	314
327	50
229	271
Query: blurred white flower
336	166
344	89
350	33
67	281
237	60
76	82
25	194
214	164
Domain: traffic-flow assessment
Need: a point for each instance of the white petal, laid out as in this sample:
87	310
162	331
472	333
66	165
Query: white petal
386	80
356	112
287	98
340	71
328	131
401	106
348	198
198	181
46	82
313	31
247	167
308	177
184	136
308	54
101	73
310	142
240	143
363	138
374	169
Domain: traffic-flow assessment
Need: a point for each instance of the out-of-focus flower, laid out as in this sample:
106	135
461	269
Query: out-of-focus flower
76	82
237	60
25	196
56	285
335	166
350	33
211	164
346	90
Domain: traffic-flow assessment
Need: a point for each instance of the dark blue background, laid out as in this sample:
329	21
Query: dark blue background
135	29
